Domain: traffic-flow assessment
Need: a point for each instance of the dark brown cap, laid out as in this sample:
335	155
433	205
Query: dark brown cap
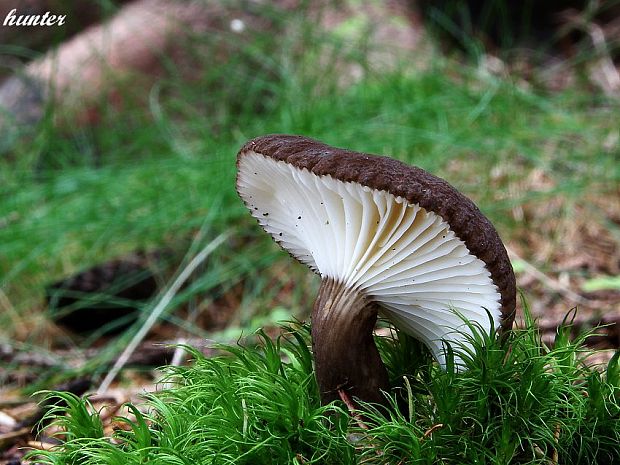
408	182
308	195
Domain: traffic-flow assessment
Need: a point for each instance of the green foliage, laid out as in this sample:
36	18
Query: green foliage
74	416
509	400
252	407
146	176
603	282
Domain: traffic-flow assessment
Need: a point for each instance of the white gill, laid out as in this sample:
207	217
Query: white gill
400	255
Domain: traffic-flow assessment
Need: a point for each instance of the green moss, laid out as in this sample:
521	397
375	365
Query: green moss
518	402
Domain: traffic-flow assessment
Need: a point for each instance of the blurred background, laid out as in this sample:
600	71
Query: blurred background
119	131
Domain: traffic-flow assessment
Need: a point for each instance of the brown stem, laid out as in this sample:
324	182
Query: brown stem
345	354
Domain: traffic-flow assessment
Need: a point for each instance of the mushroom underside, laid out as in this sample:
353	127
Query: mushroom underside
400	256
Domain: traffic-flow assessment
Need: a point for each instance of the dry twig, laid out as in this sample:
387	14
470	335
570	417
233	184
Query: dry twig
549	281
431	430
351	407
158	310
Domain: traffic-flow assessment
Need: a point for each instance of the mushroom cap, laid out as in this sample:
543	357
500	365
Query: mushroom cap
405	238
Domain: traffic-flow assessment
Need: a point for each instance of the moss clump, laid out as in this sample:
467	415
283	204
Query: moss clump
519	402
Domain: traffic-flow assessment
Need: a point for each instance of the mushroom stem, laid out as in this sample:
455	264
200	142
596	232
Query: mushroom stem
345	355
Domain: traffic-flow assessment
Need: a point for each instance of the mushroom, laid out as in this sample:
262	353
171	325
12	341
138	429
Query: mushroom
385	237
